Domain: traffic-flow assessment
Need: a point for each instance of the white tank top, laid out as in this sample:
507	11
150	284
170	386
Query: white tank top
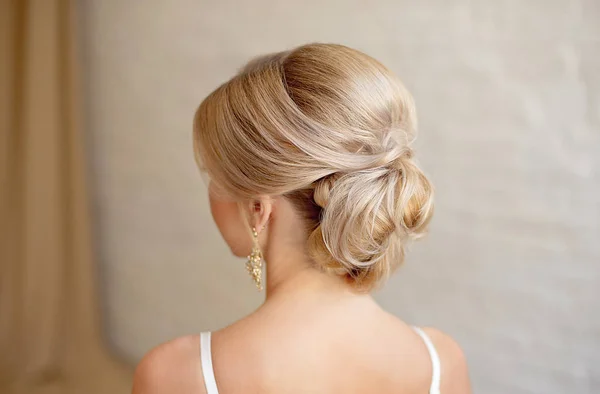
211	384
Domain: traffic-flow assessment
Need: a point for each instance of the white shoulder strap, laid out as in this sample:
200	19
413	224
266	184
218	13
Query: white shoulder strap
207	366
435	362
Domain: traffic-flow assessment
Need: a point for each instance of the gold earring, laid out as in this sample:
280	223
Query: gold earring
254	263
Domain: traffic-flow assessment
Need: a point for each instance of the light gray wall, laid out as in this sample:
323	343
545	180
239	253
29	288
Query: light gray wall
508	94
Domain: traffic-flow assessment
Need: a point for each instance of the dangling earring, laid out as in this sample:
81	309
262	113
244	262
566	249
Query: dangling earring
254	263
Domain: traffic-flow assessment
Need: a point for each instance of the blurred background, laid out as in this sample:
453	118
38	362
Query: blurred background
107	244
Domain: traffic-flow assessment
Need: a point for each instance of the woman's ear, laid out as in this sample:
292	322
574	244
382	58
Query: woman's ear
261	210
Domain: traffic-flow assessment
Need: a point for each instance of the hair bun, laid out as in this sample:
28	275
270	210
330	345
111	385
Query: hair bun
367	218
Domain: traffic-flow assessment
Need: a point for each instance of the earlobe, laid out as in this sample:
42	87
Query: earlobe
262	210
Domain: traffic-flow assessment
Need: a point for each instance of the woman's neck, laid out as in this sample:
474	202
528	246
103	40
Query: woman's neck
293	273
289	270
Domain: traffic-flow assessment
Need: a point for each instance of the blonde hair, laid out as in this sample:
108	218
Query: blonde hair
329	128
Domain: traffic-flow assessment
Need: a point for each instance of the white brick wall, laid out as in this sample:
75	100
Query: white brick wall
508	94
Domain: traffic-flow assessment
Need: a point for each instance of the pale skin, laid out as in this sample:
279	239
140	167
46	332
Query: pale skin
313	334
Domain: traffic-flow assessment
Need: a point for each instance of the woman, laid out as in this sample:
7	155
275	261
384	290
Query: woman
311	174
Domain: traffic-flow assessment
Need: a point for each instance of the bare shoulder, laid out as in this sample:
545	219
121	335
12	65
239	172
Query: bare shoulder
172	367
455	375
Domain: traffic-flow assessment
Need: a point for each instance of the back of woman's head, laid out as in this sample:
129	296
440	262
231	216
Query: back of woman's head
330	129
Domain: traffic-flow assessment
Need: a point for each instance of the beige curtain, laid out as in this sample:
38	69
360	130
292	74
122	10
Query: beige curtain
50	340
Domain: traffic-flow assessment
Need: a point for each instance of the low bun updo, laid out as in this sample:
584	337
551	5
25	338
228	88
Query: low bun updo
329	128
367	217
